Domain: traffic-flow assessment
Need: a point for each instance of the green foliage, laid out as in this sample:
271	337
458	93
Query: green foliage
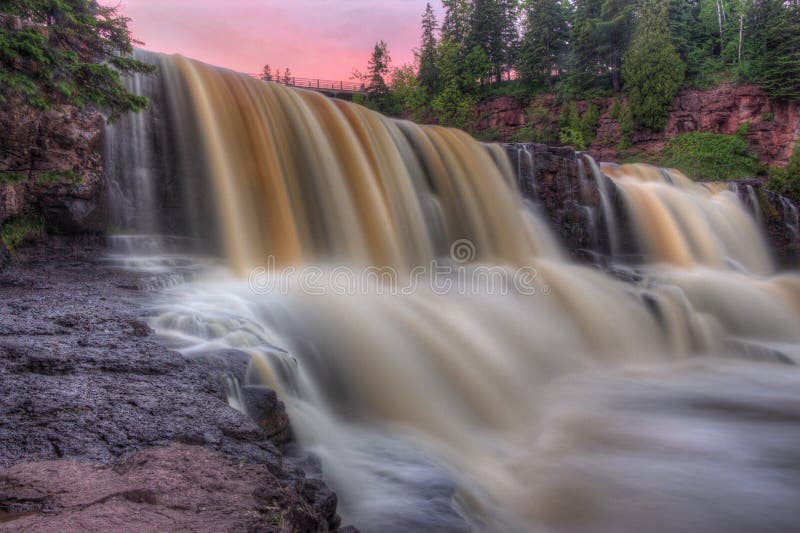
776	48
578	130
379	95
543	47
490	135
493	30
407	94
67	176
22	229
428	72
767	117
538	127
786	180
9	178
455	108
653	70
712	156
743	130
601	31
68	51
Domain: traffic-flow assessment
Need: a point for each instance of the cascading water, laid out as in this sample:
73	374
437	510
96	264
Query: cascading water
450	368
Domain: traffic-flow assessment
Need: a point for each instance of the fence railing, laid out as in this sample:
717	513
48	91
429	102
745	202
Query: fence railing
319	84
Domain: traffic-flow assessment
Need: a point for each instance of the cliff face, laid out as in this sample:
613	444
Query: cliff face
51	162
773	126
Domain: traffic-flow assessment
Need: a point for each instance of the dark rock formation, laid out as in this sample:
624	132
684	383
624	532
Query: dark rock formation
52	162
563	184
83	378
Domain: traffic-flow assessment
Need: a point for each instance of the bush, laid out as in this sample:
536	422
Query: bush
786	181
743	130
539	127
712	156
22	229
7	178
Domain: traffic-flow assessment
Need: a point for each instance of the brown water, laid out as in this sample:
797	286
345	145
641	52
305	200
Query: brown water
478	379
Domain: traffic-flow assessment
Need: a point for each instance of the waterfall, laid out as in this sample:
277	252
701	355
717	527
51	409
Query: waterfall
424	327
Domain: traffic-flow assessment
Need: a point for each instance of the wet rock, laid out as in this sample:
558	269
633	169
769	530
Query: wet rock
82	378
5	255
268	412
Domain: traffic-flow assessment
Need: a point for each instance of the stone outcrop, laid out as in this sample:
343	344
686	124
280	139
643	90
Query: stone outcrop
772	126
51	162
104	427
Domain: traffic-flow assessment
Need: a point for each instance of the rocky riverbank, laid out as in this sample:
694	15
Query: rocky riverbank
102	427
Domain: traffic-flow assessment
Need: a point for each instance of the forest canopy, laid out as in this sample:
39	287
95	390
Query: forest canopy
646	49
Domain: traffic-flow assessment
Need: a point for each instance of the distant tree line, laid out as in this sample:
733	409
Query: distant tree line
647	49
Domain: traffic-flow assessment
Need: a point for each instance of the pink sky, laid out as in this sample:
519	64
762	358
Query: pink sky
314	38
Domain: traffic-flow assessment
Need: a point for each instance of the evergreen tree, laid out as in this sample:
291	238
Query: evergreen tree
776	36
68	51
287	77
428	72
379	95
600	37
266	73
544	41
653	69
456	25
493	29
453	104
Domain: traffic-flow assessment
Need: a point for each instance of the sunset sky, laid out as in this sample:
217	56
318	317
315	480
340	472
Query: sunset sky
314	38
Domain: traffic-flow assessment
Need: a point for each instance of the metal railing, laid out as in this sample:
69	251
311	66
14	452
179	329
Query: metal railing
319	85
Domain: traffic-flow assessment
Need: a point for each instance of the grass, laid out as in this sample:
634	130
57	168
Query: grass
21	230
712	156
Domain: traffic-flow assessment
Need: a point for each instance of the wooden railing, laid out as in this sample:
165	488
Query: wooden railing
316	84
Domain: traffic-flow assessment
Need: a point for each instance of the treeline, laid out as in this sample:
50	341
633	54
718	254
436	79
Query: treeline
648	49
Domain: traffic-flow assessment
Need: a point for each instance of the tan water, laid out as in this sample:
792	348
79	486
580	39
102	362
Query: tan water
530	399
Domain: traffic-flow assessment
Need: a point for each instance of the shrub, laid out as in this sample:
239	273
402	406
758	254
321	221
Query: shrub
786	180
743	129
7	178
712	156
767	117
22	229
59	177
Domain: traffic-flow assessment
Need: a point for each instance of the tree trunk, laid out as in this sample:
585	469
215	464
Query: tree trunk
741	35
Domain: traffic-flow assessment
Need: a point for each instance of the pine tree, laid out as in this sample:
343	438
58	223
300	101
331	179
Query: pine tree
456	25
493	29
68	51
378	69
653	69
544	41
600	36
776	64
428	72
266	73
287	77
